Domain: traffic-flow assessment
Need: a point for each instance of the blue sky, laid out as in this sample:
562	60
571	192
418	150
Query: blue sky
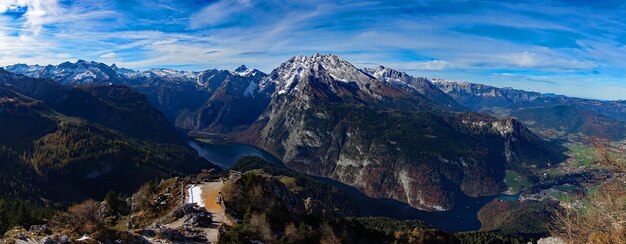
575	48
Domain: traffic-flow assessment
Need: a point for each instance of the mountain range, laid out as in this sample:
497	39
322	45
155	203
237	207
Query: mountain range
328	118
386	133
549	114
183	96
83	139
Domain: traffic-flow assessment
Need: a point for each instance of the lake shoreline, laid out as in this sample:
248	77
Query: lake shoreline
463	217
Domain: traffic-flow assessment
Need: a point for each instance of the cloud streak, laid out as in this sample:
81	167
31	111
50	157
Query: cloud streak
546	46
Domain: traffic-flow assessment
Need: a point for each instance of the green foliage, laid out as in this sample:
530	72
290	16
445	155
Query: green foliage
581	154
302	185
517	217
297	227
115	202
388	225
516	182
21	213
92	159
18	180
94	136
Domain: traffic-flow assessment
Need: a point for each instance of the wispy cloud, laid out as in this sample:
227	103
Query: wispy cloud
573	48
108	55
220	12
521	77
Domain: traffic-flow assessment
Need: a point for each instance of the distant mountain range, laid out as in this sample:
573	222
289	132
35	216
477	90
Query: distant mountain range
556	113
183	96
389	134
170	90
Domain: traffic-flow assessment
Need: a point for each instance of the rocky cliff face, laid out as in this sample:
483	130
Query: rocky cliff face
419	85
233	104
384	140
387	133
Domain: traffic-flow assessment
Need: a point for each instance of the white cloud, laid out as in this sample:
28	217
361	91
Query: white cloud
216	13
108	55
38	12
432	65
525	59
263	35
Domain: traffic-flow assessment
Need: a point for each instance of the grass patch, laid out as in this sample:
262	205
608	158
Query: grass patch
554	172
260	172
583	155
564	197
290	182
516	182
204	140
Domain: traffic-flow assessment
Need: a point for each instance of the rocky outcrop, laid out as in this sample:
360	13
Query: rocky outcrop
551	240
386	141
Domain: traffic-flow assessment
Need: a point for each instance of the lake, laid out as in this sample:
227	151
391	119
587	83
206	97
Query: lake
463	217
226	155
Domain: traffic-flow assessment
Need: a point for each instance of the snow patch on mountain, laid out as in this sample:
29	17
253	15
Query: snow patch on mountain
250	89
245	71
288	74
165	74
89	71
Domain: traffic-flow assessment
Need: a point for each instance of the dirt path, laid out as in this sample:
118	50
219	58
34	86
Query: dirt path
210	192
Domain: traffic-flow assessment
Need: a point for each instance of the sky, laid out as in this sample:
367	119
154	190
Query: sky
575	48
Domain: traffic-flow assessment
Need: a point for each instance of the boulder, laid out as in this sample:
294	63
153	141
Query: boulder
39	230
170	234
64	239
198	219
187	208
194	236
47	240
551	240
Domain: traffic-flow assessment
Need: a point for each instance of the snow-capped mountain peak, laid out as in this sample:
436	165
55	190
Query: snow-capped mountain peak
24	69
245	71
389	75
242	70
289	73
83	71
172	75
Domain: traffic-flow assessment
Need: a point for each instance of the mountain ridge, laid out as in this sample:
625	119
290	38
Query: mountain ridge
72	138
391	136
597	118
379	138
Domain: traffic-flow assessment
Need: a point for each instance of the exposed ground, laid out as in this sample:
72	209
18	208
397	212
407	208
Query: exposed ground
207	197
210	193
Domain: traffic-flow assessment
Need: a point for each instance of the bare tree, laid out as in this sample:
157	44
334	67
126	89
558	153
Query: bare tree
261	227
603	219
80	218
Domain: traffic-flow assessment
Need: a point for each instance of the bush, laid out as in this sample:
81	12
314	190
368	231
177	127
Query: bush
80	218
